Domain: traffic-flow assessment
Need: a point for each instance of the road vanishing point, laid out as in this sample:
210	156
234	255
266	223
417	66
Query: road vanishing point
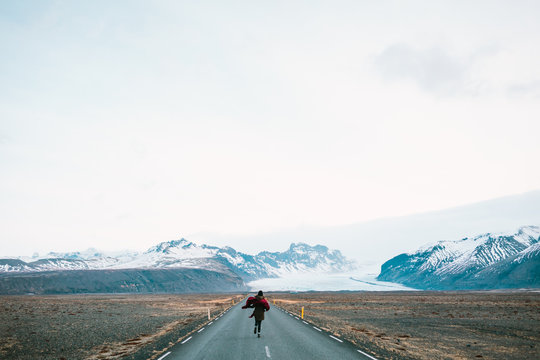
283	336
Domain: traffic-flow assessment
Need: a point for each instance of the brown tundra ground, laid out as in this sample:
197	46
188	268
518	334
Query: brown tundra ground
101	326
428	325
392	325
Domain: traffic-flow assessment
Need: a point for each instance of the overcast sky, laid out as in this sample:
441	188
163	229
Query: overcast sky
127	123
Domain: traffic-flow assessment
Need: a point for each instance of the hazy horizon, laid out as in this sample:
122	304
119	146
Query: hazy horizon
419	226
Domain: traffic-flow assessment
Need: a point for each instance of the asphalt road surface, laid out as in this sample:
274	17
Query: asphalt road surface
283	336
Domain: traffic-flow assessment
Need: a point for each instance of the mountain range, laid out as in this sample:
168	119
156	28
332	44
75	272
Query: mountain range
173	260
487	261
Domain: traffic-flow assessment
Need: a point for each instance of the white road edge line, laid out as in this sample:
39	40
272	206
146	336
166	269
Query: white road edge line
296	318
305	322
185	341
163	357
363	353
317	328
267	352
335	338
210	323
200	330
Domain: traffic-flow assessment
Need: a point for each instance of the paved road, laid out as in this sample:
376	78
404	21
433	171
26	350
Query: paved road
283	336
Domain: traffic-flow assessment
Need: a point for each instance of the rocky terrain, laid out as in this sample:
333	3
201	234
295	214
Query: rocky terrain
389	325
428	325
487	261
95	327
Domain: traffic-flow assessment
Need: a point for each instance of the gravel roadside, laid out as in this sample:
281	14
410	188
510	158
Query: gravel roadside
100	326
428	325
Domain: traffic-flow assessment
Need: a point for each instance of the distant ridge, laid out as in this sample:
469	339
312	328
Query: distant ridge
182	253
178	280
167	266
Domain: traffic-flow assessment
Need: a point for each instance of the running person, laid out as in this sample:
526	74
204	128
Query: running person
261	305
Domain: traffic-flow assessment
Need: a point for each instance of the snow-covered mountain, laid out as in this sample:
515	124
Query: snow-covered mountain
16	265
484	261
185	254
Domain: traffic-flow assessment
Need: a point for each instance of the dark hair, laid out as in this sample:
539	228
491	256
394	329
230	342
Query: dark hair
260	293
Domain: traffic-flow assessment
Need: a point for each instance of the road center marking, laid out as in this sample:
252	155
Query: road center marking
335	338
363	353
317	329
185	341
163	357
267	352
200	330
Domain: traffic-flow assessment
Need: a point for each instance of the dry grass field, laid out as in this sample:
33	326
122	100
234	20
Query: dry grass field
100	326
428	325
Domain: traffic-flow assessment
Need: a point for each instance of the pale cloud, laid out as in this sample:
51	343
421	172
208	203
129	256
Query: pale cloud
432	69
525	89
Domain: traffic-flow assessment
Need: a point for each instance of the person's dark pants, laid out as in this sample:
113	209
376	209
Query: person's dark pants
258	325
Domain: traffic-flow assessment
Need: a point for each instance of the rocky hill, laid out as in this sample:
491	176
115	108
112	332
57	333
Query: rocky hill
488	261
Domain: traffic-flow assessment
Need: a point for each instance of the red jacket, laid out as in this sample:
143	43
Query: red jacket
260	304
257	301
